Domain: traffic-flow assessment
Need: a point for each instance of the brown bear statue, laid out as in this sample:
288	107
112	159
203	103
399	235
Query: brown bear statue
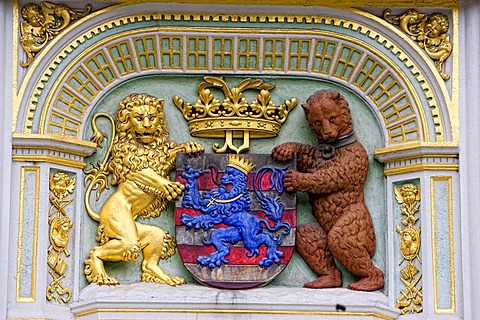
333	174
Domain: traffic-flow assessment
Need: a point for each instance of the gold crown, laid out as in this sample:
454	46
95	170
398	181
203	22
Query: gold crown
234	117
240	163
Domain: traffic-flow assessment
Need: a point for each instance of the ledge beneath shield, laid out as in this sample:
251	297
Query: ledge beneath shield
191	301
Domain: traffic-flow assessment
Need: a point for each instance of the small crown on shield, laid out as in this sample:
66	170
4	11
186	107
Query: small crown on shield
240	163
235	117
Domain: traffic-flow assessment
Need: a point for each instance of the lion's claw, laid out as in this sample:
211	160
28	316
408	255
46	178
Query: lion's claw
166	279
100	278
191	175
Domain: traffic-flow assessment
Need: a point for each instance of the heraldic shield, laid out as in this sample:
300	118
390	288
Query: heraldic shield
235	225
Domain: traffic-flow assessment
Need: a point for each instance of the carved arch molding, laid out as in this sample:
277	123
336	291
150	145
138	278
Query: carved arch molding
413	108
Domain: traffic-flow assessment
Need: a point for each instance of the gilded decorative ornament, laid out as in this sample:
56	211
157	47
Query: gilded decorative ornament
43	23
430	33
411	299
235	117
139	158
61	185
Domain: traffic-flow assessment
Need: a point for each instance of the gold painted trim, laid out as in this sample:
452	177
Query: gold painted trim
239	311
411	299
49	159
418	26
452	99
28	319
416	145
37	32
423	156
33	288
47	148
56	139
244	18
16	99
453	106
330	3
398	71
216	17
61	186
422	167
447	179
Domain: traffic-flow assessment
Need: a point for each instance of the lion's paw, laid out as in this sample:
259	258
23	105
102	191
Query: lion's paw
266	262
190	174
213	261
172	281
193	147
189	221
99	278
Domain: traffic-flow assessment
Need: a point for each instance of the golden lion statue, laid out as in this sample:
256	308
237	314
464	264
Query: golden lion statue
139	157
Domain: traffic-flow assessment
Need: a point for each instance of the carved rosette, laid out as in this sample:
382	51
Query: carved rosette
61	185
411	299
43	23
429	32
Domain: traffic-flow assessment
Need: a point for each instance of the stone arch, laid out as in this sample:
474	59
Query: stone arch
347	50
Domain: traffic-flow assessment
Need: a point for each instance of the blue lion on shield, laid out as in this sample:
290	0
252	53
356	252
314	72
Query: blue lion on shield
230	204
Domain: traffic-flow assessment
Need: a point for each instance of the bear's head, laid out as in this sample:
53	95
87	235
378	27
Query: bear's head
328	114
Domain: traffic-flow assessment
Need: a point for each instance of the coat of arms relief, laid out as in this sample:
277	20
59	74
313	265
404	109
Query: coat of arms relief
261	192
235	214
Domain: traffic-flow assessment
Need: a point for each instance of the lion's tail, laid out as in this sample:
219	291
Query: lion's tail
95	216
97	177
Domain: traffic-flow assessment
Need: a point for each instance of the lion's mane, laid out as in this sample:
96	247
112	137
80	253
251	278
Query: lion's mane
130	154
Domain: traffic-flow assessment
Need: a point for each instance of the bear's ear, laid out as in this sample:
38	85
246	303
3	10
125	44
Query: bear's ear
306	107
336	95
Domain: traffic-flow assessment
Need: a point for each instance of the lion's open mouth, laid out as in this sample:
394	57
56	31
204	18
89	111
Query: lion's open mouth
145	137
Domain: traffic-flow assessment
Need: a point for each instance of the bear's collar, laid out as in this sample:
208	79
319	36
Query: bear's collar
342	141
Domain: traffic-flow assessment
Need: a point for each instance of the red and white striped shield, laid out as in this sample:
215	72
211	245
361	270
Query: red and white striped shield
235	226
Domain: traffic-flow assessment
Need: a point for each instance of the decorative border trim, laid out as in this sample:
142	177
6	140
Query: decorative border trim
328	3
238	311
407	88
267	18
421	164
21	217
49	159
56	149
451	250
418	26
418	157
35	34
411	299
61	185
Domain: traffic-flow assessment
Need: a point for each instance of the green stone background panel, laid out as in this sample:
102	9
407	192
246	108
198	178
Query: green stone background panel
294	129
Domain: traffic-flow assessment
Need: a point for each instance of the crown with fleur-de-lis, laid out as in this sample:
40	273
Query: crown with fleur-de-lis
235	117
240	163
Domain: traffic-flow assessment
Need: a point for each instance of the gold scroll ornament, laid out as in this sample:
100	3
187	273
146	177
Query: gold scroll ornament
411	299
43	23
430	33
61	185
234	117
